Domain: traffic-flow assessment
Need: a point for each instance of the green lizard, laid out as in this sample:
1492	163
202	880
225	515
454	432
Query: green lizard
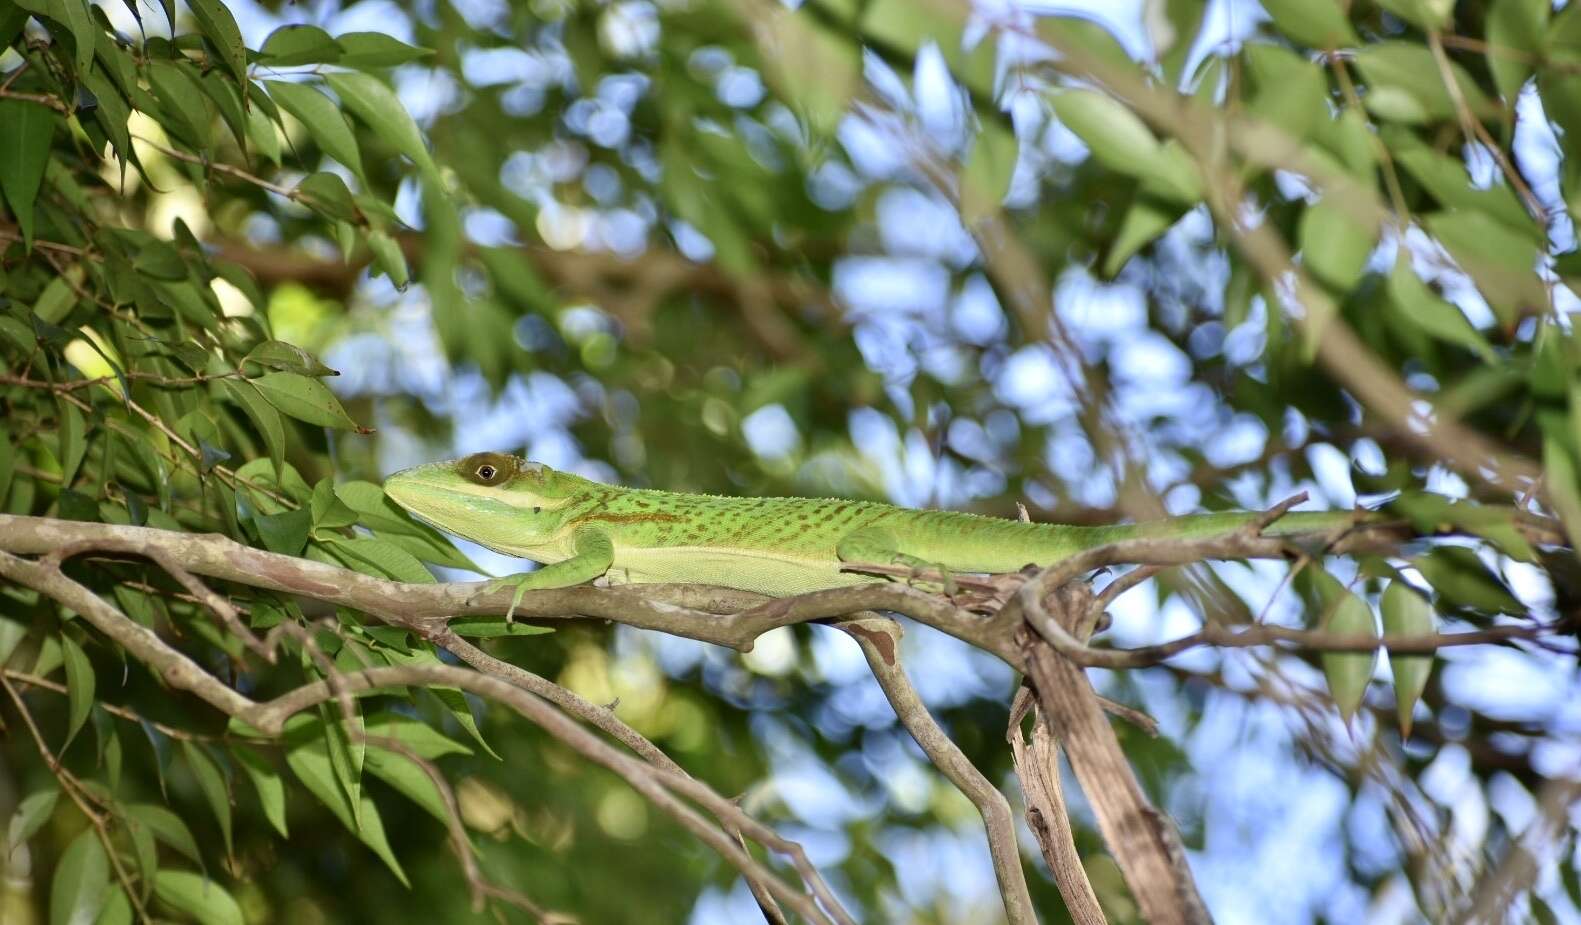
581	530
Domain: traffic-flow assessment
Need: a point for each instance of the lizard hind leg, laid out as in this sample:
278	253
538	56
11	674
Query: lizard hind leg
879	546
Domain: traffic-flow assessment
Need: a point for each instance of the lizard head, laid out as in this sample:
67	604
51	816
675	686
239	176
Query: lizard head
501	501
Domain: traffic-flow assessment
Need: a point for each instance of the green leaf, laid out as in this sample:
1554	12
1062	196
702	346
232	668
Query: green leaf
323	120
82	880
211	780
199	897
76	16
364	50
377	106
1144	221
394	524
166	826
388	257
72	443
347	752
219	27
79	686
326	194
261	472
7	469
1319	24
1406	85
1117	137
1433	314
1407	613
262	133
1348	673
1335	244
286	532
1447	179
1564	486
266	779
24	153
424	741
1427	15
452	698
1503	262
1515	26
277	354
816	70
117	909
305	399
30	816
985	178
291	46
378	557
329	512
263	416
145	850
1120	141
1291	91
56	301
222	91
309	760
1460	577
183	99
408	778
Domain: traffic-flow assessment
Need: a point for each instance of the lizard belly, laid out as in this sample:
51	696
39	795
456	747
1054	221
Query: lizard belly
746	569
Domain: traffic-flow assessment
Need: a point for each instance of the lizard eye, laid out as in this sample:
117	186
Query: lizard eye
487	468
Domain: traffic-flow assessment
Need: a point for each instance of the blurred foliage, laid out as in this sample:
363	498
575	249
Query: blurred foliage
730	247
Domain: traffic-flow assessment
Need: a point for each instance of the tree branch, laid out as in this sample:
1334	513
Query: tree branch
879	638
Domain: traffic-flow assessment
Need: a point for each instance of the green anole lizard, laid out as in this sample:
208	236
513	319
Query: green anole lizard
581	530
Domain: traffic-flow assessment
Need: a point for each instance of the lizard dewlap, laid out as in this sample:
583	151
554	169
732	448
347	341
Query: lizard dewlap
581	530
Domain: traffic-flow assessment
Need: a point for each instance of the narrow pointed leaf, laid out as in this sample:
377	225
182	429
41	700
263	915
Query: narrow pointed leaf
1349	673
1407	613
79	686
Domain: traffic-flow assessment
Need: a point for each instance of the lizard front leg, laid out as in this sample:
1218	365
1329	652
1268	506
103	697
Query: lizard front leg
594	553
880	546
